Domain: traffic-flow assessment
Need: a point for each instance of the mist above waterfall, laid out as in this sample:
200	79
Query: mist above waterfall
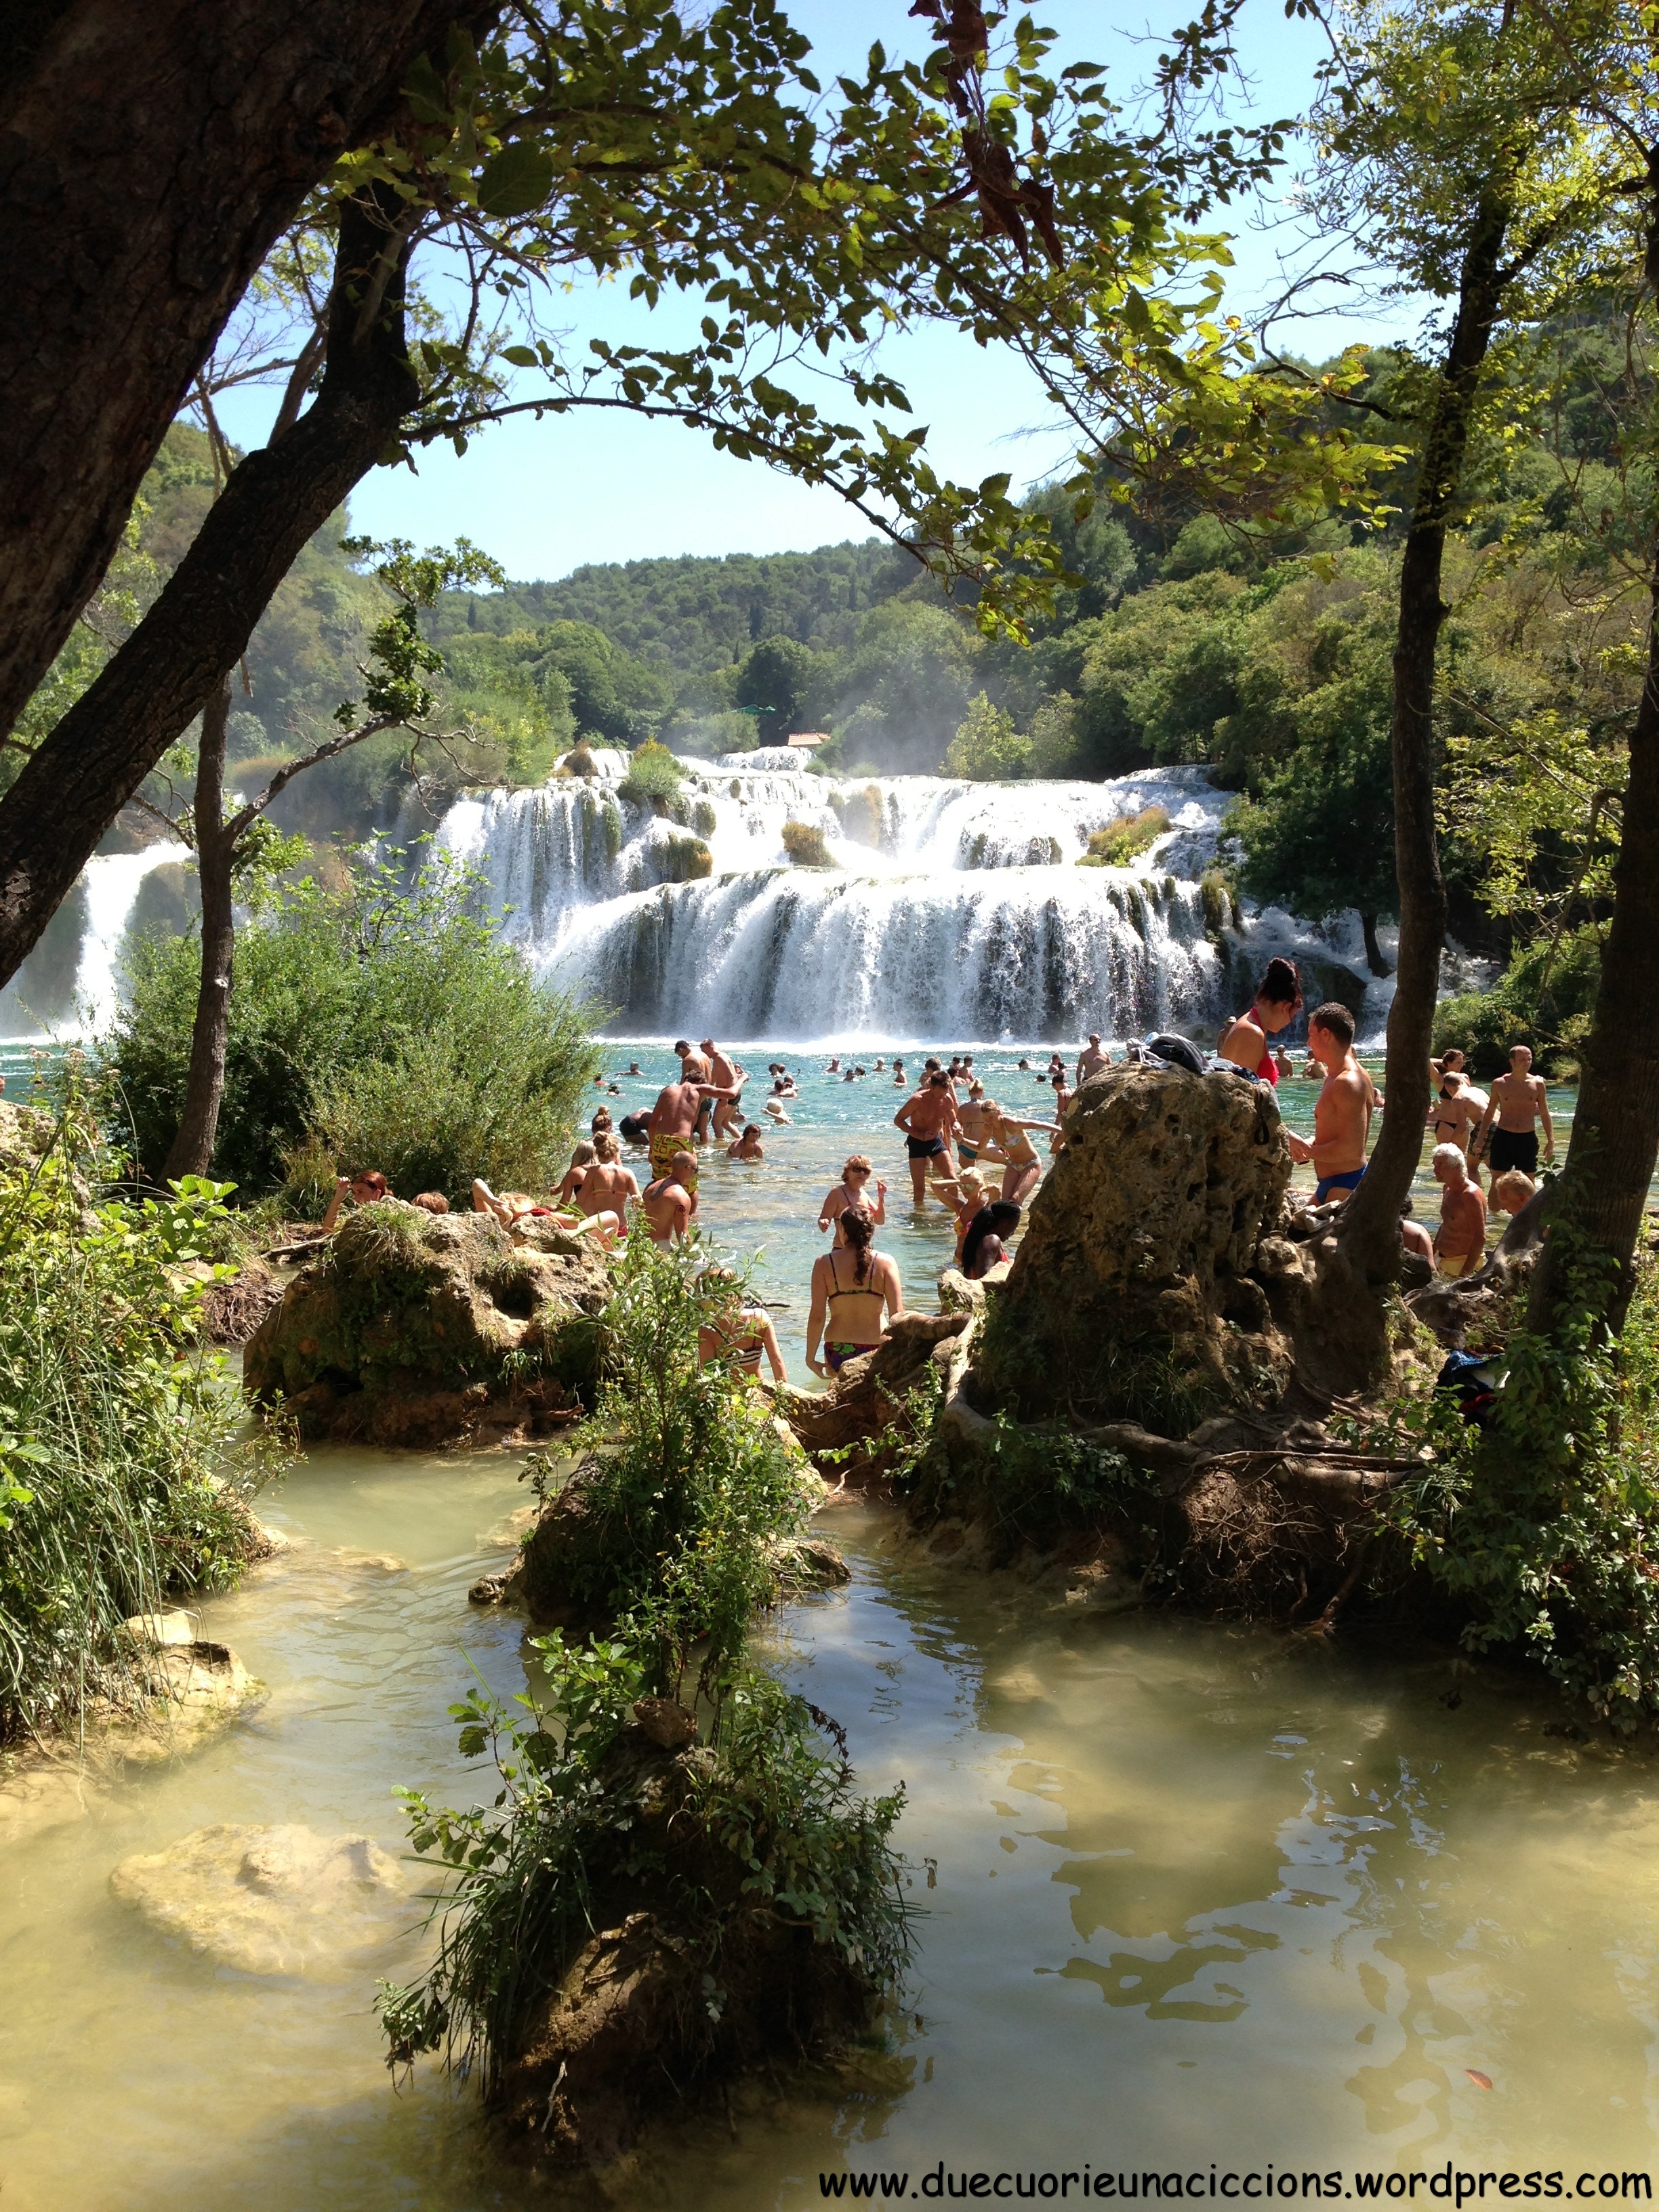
950	910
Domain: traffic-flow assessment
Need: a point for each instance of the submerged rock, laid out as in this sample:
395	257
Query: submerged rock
1134	1294
414	1329
266	1900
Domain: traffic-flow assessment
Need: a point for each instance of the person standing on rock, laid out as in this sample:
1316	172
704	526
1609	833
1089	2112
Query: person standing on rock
1518	1100
929	1120
1091	1059
668	1201
674	1117
1277	1004
1342	1113
855	1291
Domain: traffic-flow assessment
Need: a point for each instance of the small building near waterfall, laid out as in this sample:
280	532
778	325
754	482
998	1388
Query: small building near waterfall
805	740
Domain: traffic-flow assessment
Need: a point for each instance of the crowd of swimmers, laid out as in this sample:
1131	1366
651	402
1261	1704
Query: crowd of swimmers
958	1140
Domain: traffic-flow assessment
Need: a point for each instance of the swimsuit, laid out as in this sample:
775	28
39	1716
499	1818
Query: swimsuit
665	1144
1350	1179
924	1148
837	1354
1513	1148
1268	1071
1454	1264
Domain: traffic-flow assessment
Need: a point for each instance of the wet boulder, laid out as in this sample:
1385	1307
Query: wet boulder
267	1901
1135	1293
411	1329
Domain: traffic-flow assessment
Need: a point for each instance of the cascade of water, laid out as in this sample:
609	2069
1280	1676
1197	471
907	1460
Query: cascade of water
70	982
947	907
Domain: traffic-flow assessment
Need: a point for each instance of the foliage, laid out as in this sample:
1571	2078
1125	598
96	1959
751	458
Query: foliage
687	1483
1125	837
1032	1484
653	774
1545	999
122	1482
1545	1525
987	748
783	679
349	996
804	843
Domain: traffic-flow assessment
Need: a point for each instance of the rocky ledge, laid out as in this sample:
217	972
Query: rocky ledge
414	1330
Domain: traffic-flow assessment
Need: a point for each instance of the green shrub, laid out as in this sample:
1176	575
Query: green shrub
1545	999
333	983
653	774
1125	837
987	748
686	860
122	1487
1216	901
702	818
804	843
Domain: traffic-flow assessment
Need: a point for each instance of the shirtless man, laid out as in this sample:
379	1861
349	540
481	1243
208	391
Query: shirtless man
1518	1101
725	1072
607	1186
668	1202
1460	1243
674	1116
749	1145
929	1120
1091	1059
1342	1114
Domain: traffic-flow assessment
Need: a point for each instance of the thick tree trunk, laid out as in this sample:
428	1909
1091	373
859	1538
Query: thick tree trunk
1615	1130
149	156
1374	959
73	786
1348	1339
198	1131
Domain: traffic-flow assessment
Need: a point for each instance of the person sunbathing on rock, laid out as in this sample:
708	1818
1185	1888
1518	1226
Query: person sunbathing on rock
854	1292
365	1188
514	1208
737	1333
669	1202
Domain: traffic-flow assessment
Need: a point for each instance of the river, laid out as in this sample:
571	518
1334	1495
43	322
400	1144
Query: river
1188	1891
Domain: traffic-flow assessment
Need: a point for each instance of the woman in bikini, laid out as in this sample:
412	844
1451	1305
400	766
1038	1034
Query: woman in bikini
854	1290
1006	1140
1278	1003
853	1191
737	1333
970	1124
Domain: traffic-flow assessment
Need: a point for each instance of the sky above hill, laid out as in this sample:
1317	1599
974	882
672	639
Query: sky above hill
544	497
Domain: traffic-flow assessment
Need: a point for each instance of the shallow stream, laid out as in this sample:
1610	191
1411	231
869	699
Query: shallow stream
1190	1892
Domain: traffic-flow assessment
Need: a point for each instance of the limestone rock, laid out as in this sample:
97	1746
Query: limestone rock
668	1722
266	1900
194	1688
858	1406
157	1630
1133	1293
411	1329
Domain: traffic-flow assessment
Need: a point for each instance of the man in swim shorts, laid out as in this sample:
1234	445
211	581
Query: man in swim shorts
1518	1100
1342	1114
1460	1244
1091	1059
928	1120
724	1071
674	1116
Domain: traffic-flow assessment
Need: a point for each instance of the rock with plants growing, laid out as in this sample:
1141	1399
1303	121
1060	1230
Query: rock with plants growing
413	1330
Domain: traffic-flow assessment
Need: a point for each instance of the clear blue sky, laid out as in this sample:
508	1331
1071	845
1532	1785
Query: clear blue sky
544	497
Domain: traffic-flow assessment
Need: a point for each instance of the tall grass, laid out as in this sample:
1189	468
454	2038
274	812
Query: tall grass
121	1486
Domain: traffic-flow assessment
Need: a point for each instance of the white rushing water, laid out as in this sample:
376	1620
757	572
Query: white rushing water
949	909
69	985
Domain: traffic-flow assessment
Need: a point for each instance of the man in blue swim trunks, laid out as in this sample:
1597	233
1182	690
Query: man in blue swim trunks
1342	1115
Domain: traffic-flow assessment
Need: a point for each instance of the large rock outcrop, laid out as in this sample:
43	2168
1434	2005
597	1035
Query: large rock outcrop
1136	1293
412	1330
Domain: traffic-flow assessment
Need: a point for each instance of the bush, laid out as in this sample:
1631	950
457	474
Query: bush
344	998
121	1484
686	860
653	774
804	843
1125	837
987	748
1545	999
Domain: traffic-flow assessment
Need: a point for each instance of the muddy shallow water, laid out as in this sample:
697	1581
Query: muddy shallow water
1195	1893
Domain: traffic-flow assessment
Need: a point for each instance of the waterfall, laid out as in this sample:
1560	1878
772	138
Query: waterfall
68	984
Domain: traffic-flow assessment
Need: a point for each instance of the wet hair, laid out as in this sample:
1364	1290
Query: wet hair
1335	1020
1281	986
374	1181
430	1201
858	1160
859	1231
1443	1155
606	1146
1000	1219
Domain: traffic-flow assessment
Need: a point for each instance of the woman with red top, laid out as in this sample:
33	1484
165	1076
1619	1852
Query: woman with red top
1278	1003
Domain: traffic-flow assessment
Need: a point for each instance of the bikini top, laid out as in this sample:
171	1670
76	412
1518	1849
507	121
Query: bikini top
1269	1070
867	1289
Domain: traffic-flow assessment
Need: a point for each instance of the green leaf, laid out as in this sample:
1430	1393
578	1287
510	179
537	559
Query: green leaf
517	181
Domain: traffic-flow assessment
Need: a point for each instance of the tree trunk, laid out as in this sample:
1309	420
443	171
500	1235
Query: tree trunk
1374	959
74	783
149	156
1615	1129
192	1148
1348	1338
